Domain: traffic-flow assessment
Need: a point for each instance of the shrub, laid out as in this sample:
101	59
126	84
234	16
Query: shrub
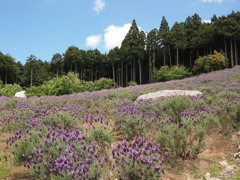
132	83
202	65
209	63
57	86
176	72
162	74
217	60
10	89
101	136
103	83
139	159
177	104
185	139
64	119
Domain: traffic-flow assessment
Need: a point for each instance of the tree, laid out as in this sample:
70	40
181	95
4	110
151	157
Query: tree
228	28
35	71
8	69
152	44
113	57
164	39
72	57
130	42
56	61
178	38
192	26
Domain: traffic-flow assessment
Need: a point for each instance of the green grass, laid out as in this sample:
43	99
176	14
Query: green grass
4	171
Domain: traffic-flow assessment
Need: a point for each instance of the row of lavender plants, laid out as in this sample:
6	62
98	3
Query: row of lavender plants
106	134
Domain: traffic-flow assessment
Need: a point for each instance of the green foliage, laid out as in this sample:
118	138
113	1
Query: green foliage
184	140
166	73
10	89
132	83
68	84
217	60
63	118
174	106
103	83
135	170
215	169
209	63
202	65
57	86
101	136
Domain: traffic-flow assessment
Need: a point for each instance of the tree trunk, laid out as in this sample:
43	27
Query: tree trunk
6	78
81	74
154	60
170	58
183	57
57	71
197	53
164	57
150	68
70	67
134	69
31	76
126	74
190	60
210	49
121	73
225	46
235	50
140	71
91	73
177	56
75	68
113	71
231	53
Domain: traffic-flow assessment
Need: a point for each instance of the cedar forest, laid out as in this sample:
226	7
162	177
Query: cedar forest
139	56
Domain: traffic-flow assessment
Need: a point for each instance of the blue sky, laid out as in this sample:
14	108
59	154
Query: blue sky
45	27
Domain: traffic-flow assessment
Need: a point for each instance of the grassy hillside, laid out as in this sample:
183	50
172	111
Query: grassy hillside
104	134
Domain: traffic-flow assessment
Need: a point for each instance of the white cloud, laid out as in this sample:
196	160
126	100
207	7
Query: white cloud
215	1
206	21
114	35
99	5
94	40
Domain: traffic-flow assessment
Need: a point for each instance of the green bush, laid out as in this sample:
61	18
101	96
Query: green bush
184	140
103	83
202	65
132	83
175	105
209	63
63	118
101	136
166	73
58	86
10	89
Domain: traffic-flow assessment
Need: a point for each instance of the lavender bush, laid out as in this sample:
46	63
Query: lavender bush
57	137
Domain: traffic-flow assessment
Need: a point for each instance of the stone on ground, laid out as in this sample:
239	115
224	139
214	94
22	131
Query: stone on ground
168	93
20	94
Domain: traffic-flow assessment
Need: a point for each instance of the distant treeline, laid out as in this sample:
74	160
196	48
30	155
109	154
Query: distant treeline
138	57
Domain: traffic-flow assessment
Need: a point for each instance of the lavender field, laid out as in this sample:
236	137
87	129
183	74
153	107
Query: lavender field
106	134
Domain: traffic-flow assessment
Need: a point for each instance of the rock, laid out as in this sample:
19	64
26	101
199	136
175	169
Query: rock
229	171
169	93
20	94
207	176
223	163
